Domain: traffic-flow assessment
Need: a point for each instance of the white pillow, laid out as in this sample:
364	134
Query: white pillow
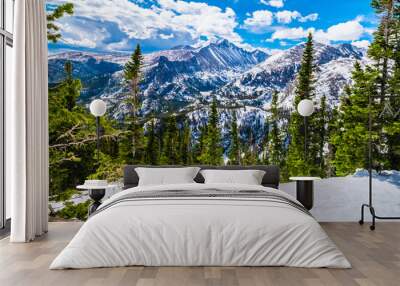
166	176
248	177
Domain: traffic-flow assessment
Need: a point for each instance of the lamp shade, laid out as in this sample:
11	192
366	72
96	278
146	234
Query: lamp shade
305	107
98	107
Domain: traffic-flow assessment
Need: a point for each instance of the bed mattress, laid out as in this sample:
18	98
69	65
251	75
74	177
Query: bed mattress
201	225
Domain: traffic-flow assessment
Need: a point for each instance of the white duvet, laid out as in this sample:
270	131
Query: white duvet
200	231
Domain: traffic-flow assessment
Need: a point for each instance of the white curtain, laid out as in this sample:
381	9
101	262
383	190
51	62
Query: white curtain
27	124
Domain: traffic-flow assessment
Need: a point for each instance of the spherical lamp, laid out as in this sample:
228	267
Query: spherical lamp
305	107
98	107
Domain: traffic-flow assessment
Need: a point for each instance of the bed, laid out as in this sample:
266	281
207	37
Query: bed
197	224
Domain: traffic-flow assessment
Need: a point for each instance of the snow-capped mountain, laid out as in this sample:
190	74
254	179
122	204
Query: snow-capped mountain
333	71
184	79
178	76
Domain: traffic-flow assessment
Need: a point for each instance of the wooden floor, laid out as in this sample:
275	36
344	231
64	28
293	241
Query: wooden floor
375	257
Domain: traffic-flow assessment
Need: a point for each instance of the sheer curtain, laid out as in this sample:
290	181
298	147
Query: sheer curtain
27	124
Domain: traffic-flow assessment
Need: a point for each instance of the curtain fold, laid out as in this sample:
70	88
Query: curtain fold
27	123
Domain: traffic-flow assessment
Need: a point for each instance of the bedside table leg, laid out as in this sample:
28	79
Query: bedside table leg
93	207
305	193
96	195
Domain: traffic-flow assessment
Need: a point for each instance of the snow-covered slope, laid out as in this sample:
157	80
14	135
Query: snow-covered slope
184	79
340	198
179	76
333	71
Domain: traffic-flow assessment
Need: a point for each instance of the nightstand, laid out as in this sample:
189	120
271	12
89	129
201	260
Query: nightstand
96	193
305	190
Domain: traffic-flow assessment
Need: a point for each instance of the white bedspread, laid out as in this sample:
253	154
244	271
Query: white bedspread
200	231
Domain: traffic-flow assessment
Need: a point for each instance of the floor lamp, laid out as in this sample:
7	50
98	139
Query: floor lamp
305	109
98	108
304	184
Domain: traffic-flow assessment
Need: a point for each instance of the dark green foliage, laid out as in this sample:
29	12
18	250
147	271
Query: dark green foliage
297	163
132	147
53	30
70	162
212	150
185	144
321	124
170	150
72	87
275	138
234	148
64	196
152	148
72	137
378	82
200	147
351	138
305	80
385	51
78	211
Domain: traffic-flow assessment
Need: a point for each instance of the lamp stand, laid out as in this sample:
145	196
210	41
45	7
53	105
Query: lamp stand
305	145
305	139
98	137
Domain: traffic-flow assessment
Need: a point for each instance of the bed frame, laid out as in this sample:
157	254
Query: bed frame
270	179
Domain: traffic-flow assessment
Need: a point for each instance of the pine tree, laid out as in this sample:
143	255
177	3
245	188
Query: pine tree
170	149
132	147
275	144
320	123
384	50
72	139
351	138
297	163
250	148
72	88
200	147
392	124
266	158
381	49
53	30
234	148
152	148
185	145
212	153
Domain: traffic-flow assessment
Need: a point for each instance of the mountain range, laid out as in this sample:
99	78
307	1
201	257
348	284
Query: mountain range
184	79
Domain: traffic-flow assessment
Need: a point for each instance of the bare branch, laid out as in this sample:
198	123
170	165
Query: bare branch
88	140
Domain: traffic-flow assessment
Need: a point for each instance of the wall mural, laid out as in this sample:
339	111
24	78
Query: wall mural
218	82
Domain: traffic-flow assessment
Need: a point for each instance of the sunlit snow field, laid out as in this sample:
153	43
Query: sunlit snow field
340	198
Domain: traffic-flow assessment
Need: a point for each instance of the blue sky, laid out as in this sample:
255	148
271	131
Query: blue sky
117	25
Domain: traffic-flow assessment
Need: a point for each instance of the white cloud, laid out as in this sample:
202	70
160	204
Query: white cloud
287	17
291	33
346	31
80	32
259	21
361	44
166	37
370	31
311	17
273	3
184	20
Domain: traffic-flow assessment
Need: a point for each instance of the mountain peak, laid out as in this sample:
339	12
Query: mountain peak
223	42
182	47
